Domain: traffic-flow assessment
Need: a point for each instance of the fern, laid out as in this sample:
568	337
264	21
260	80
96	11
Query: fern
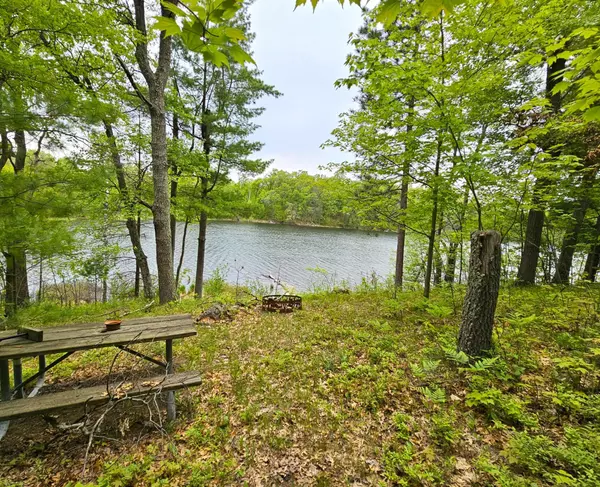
482	365
427	367
439	311
458	357
435	395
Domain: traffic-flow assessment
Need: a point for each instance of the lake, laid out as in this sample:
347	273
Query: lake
286	252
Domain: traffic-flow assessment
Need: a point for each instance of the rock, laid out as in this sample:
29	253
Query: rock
216	312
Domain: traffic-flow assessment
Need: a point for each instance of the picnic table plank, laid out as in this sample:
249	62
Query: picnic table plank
33	349
90	325
93	335
96	395
98	329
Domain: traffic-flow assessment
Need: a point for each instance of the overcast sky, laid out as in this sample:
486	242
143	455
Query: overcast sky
302	53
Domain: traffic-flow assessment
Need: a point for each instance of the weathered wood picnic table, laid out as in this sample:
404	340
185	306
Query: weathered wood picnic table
69	339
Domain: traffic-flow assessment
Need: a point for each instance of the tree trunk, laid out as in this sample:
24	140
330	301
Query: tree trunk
451	263
439	263
565	260
400	247
592	261
156	81
161	207
533	241
136	286
401	240
182	255
431	246
140	257
17	285
4	147
131	224
475	335
535	219
174	187
201	253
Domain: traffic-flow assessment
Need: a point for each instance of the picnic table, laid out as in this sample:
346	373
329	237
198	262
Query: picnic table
69	339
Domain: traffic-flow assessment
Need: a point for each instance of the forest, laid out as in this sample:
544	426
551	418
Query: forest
128	127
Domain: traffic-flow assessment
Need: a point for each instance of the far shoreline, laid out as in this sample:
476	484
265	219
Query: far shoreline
297	224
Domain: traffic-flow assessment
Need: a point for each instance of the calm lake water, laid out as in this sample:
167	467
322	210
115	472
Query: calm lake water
283	251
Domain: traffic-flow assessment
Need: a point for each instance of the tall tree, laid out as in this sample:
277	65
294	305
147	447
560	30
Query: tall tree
216	108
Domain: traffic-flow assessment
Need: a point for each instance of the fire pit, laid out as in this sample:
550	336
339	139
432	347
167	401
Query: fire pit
281	303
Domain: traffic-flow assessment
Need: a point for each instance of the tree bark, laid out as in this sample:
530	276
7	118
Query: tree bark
131	224
201	253
565	259
182	255
161	208
475	335
535	219
454	246
451	263
136	285
401	239
533	240
17	284
439	263
431	246
592	261
174	187
4	146
156	82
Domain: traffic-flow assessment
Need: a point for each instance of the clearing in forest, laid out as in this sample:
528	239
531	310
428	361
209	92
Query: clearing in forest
356	389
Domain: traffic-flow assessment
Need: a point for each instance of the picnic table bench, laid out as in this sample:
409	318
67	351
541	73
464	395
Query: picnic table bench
69	339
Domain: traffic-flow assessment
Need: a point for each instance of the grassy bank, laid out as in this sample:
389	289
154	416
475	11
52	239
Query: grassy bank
356	389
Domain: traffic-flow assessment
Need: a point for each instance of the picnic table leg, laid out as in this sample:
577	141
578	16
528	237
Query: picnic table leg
4	380
171	412
4	392
18	375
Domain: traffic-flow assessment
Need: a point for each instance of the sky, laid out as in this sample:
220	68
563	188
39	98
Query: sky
302	54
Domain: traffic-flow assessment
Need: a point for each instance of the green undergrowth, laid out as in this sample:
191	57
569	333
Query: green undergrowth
356	389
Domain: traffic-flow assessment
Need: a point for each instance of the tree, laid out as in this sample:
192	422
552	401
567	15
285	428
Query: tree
475	335
215	109
202	30
434	111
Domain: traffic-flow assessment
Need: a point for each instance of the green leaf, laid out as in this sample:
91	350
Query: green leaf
234	33
585	32
592	115
169	26
535	59
433	8
389	11
191	38
239	55
561	87
171	7
220	59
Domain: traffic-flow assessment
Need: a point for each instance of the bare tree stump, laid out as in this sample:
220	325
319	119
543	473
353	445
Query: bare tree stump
475	336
